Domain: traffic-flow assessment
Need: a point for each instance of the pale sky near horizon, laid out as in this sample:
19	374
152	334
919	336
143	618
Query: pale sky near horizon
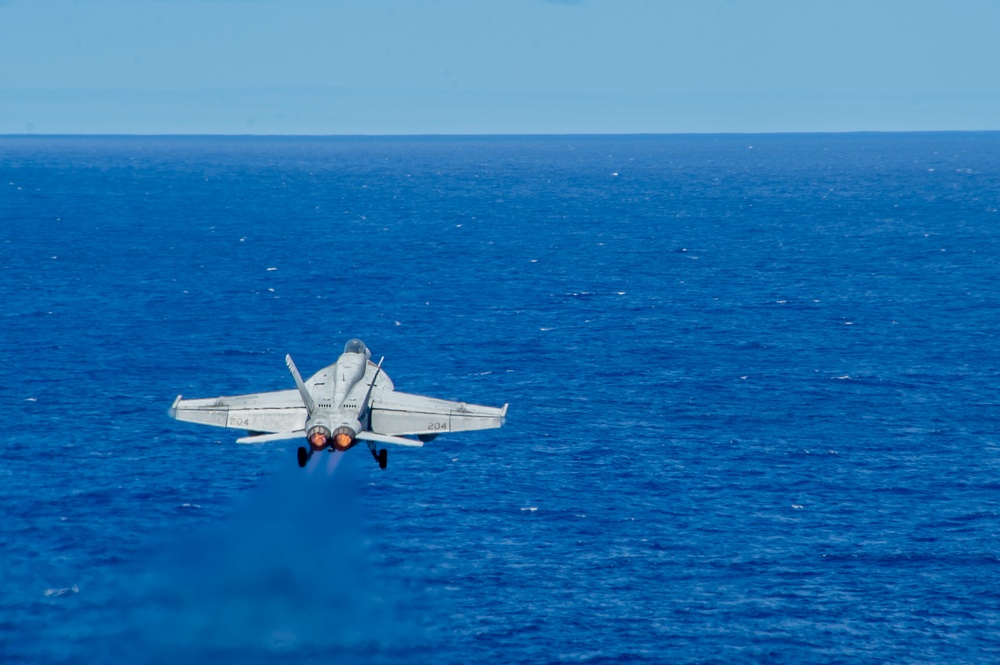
484	66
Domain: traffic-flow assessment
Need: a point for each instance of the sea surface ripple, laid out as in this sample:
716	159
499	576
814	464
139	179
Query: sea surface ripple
752	383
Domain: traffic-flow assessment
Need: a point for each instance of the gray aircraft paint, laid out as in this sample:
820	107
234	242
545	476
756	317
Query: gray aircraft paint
353	395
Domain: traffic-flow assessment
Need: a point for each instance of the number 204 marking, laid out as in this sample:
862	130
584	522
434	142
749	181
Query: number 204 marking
437	426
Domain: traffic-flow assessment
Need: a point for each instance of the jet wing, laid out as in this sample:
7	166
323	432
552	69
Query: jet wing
396	413
279	411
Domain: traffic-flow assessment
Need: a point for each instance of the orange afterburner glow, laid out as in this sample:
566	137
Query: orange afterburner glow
318	440
342	441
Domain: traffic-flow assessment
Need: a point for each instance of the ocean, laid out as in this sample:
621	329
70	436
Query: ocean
753	387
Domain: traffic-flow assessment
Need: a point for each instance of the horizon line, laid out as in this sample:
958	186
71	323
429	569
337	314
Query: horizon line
492	135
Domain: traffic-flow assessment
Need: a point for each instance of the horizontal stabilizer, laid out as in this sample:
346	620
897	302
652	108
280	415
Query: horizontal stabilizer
386	438
265	438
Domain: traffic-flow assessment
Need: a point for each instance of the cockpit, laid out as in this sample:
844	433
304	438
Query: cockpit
356	346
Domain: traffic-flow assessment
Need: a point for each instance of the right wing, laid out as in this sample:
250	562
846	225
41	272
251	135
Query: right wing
396	413
279	411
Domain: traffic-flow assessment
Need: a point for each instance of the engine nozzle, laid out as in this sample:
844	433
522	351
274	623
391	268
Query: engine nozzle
343	438
319	437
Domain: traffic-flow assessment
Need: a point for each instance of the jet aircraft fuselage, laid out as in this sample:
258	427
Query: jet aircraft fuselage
349	401
337	420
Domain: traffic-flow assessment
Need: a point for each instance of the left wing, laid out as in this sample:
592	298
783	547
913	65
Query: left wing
279	411
396	413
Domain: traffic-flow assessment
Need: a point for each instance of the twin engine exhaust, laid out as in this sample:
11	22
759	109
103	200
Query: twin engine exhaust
320	437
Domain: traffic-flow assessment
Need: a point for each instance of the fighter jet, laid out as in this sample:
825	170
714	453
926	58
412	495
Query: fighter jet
352	400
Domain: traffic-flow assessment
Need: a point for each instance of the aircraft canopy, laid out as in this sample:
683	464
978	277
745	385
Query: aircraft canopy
355	346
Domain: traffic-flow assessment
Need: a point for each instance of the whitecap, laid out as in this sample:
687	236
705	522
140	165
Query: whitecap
62	592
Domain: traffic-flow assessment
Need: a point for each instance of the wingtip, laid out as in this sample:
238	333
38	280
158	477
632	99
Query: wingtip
172	411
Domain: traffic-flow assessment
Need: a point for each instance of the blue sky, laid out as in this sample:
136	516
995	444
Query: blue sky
492	66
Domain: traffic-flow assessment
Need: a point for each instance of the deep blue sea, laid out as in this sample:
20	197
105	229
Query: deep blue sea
753	386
